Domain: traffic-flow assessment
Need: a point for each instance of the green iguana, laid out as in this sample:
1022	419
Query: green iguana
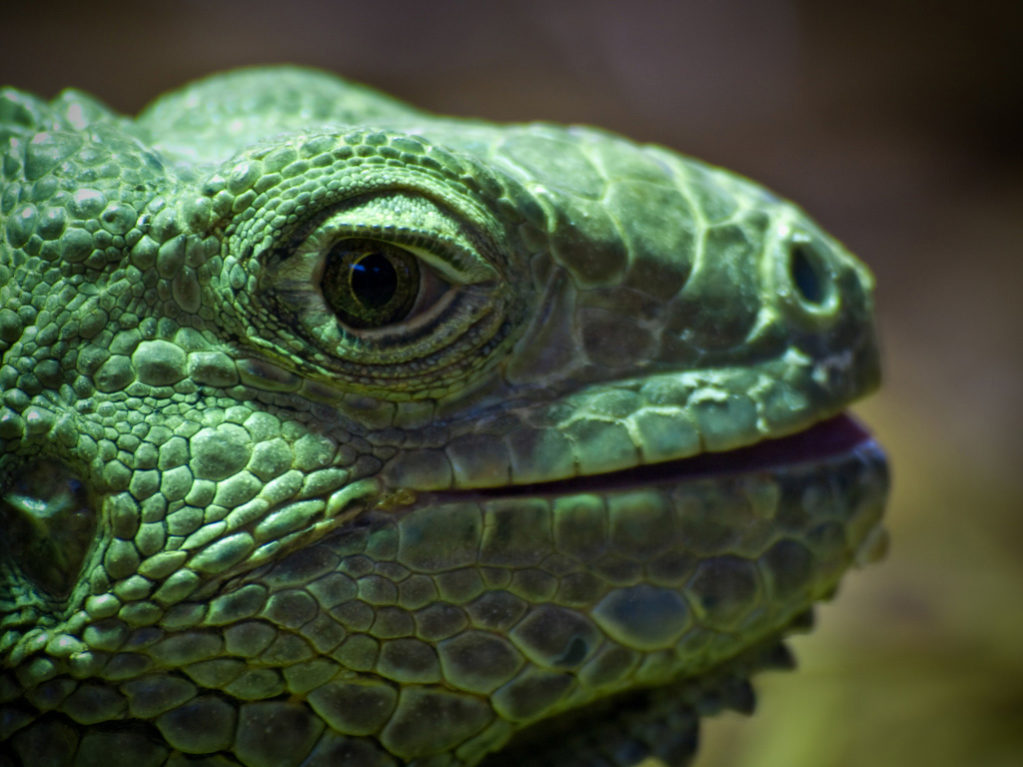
334	432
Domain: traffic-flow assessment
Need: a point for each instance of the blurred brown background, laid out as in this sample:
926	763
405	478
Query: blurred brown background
897	125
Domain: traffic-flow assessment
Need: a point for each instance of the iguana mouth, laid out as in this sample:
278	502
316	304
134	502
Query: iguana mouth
827	439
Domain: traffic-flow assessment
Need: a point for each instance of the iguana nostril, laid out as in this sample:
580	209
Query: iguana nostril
808	274
49	524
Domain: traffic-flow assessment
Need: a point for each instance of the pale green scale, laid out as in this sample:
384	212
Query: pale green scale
336	432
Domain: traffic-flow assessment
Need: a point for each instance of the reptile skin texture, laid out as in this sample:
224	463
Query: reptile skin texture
334	432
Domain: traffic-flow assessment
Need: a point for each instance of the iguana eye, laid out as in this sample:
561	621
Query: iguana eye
390	293
369	284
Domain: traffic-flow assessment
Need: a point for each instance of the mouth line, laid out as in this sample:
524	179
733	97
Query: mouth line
833	437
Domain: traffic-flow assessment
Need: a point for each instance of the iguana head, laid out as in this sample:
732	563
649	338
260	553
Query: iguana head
332	429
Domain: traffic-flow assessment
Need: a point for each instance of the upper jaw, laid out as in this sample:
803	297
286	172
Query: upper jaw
619	425
829	440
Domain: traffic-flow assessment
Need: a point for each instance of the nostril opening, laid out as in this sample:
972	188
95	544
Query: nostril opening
808	274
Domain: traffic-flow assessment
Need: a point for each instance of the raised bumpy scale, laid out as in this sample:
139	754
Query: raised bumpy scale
336	432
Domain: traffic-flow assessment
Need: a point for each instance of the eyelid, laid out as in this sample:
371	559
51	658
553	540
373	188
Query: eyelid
412	222
306	263
443	268
296	280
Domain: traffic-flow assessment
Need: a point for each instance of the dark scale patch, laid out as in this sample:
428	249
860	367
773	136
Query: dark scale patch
531	694
515	532
203	725
333	750
643	616
356	706
725	588
555	637
478	661
408	661
577	650
791	567
496	610
431	720
50	741
439	621
276	733
611	341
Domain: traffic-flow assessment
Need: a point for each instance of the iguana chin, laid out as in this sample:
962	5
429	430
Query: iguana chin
336	432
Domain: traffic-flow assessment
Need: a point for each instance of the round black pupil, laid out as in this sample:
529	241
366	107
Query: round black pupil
374	280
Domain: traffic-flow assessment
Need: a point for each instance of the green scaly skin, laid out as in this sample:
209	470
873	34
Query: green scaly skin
247	523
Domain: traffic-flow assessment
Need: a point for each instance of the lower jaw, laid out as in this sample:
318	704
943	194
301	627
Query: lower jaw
682	566
755	541
646	590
